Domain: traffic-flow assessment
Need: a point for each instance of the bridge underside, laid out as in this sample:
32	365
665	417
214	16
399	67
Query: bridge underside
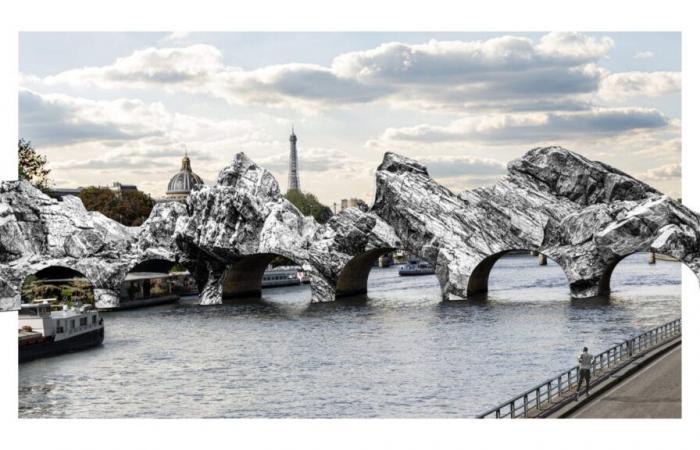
353	279
243	277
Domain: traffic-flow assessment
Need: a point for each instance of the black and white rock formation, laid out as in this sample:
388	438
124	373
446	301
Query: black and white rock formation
584	215
37	232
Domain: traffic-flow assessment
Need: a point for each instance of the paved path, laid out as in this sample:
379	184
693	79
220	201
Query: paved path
653	392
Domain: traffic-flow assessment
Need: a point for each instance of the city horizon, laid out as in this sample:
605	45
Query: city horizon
463	104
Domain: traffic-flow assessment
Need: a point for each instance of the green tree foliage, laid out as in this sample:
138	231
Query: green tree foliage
129	208
309	205
281	261
64	291
32	165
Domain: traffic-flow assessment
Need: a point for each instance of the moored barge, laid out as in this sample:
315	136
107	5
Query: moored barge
43	332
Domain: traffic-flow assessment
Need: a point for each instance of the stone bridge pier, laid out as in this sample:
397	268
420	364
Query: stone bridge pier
241	278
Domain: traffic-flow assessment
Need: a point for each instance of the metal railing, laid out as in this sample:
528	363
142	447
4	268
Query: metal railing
563	386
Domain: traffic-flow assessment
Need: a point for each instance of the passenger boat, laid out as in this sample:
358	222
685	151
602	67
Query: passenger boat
281	276
43	332
413	268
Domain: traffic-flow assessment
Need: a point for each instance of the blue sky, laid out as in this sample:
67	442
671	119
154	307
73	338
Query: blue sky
123	106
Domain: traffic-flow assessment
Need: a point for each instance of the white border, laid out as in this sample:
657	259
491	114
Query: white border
592	15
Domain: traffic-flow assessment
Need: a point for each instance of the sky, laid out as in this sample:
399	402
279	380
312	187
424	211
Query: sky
108	107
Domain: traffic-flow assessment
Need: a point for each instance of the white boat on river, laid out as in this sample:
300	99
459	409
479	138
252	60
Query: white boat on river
43	332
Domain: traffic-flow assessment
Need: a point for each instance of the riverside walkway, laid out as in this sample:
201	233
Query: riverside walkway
652	392
640	377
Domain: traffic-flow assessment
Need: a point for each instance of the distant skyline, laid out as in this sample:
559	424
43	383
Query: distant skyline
123	107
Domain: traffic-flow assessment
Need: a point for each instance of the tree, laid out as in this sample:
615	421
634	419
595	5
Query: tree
129	208
32	165
309	205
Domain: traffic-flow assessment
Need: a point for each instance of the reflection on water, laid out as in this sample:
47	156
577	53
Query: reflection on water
398	352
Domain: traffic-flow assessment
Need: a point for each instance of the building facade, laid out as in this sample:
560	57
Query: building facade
117	187
349	203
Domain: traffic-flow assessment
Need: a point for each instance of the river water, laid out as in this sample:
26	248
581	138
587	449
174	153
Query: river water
401	353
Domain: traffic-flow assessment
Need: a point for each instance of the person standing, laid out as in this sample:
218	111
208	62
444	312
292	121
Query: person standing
585	362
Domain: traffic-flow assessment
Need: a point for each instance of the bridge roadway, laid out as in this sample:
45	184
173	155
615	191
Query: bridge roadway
652	392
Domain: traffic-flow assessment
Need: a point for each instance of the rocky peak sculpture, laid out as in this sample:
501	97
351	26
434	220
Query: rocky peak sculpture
584	215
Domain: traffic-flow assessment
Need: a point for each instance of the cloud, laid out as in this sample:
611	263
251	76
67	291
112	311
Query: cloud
625	85
455	166
312	160
284	84
644	55
534	126
476	72
666	172
170	68
175	36
59	119
511	71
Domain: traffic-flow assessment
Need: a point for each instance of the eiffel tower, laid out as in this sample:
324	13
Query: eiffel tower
293	163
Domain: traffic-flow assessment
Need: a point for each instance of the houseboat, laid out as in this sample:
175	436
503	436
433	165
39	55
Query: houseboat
43	332
146	289
415	267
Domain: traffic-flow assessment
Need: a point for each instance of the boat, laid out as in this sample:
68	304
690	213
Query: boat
43	332
281	276
413	268
141	289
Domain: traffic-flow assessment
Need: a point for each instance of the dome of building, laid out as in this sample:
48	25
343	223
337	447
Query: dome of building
182	183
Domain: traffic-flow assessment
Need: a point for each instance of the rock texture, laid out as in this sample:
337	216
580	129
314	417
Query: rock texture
234	228
37	232
584	215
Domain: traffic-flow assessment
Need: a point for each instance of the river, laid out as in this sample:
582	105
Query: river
402	353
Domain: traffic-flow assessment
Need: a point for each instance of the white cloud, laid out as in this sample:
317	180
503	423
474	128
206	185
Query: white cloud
59	119
666	172
644	55
175	36
515	70
187	68
534	126
313	160
625	85
455	166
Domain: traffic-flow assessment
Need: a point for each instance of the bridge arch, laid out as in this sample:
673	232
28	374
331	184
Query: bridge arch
478	283
147	282
243	276
605	279
352	279
57	281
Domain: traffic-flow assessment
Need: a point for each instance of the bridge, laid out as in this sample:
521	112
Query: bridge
582	214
